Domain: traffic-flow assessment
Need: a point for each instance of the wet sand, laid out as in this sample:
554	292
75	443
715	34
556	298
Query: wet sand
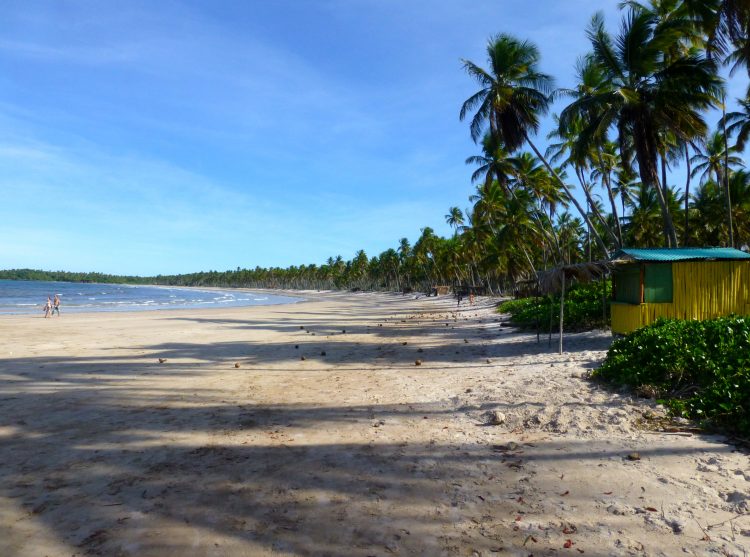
308	429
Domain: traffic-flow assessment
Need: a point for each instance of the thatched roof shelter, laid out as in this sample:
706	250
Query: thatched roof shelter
554	281
551	281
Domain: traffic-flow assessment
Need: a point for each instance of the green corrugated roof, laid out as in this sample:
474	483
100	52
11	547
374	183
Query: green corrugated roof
679	254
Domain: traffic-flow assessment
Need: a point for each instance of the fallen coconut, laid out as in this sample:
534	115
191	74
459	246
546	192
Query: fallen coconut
495	418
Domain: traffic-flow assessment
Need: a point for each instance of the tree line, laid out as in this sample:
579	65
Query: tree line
636	112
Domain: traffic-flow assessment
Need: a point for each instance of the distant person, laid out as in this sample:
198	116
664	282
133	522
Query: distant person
56	305
471	300
48	307
459	297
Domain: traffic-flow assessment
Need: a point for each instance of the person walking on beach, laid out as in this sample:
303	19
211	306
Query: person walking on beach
48	307
56	305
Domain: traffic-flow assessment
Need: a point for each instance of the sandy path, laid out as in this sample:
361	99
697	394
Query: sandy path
105	451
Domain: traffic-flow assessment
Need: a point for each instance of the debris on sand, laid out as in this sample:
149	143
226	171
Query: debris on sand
418	363
509	446
495	418
162	360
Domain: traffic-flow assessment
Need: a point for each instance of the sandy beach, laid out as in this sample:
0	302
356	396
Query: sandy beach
308	429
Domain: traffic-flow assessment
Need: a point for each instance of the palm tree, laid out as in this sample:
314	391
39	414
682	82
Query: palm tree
717	160
569	152
739	123
726	26
739	185
643	223
532	178
605	163
710	160
493	163
514	94
708	211
646	93
571	235
454	219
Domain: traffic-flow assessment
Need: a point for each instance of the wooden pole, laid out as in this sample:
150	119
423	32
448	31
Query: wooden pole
604	299
562	302
551	319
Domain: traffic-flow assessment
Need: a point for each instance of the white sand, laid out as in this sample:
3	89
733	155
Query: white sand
105	451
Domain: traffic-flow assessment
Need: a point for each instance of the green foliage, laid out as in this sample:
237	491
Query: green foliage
582	309
64	276
701	367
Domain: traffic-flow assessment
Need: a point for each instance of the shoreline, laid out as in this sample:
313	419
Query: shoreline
133	308
310	429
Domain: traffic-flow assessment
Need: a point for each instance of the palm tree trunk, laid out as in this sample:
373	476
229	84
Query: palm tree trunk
726	177
528	258
646	154
608	185
567	191
551	234
595	211
588	235
686	232
664	186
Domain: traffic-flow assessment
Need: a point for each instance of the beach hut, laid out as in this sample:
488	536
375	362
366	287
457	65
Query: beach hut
678	283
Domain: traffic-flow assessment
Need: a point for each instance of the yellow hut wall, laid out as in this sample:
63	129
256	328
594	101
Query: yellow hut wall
700	290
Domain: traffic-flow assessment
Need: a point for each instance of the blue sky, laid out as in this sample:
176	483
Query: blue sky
168	137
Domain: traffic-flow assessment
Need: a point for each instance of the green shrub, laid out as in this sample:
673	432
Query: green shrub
582	311
701	368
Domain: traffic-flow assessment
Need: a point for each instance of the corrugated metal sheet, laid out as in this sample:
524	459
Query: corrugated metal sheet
680	254
701	290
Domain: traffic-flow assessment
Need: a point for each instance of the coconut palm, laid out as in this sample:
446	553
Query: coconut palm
725	24
739	187
571	152
643	223
708	211
513	96
645	94
493	163
738	122
571	237
709	162
716	160
454	219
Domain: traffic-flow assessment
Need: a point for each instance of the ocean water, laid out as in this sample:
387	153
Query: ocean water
30	296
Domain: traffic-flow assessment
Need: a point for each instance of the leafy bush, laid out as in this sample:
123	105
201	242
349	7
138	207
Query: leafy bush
701	367
582	311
